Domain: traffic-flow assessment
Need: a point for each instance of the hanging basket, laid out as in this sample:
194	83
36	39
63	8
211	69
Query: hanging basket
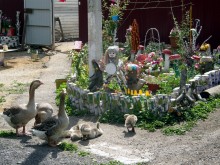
115	17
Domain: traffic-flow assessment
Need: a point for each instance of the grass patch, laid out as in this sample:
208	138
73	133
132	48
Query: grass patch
83	153
2	99
17	88
72	148
7	134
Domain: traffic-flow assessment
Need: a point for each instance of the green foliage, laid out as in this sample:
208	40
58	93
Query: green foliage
7	134
168	83
65	146
112	116
108	24
179	129
154	47
68	147
80	66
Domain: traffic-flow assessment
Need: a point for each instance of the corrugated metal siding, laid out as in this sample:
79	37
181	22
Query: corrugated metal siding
69	17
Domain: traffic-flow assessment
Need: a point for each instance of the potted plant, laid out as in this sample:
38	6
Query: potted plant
153	83
114	11
174	36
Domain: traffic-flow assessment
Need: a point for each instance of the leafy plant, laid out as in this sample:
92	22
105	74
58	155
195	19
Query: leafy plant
112	116
80	66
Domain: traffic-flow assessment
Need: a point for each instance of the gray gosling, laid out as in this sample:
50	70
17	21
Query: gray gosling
96	132
44	111
75	133
130	121
85	129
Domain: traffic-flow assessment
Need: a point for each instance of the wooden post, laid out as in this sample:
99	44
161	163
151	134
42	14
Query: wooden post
94	32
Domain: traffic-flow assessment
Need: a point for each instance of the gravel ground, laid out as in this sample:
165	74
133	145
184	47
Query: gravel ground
200	146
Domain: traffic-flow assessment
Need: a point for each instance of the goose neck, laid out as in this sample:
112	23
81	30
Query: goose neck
31	97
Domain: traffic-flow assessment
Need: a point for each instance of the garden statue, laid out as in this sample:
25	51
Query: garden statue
112	66
96	80
18	23
132	80
111	60
183	101
111	55
195	33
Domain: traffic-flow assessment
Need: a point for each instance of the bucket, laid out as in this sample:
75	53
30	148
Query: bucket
115	17
1	59
59	82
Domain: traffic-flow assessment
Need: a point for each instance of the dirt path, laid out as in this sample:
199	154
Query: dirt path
200	146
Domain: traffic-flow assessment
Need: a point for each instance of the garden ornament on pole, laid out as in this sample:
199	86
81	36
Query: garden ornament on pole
195	33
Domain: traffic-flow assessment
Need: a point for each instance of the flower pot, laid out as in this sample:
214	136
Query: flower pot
173	42
59	82
153	87
115	17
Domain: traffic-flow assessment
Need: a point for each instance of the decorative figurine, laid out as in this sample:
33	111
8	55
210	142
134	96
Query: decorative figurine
96	80
18	23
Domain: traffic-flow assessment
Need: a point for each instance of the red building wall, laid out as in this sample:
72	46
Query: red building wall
158	15
9	8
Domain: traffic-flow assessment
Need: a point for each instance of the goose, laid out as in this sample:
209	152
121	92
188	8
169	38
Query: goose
18	116
96	132
44	111
53	128
130	121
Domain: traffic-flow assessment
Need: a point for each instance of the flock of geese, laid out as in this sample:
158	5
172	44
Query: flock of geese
49	127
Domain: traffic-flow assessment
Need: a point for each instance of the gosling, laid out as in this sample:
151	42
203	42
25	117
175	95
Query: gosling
96	132
85	129
75	133
130	121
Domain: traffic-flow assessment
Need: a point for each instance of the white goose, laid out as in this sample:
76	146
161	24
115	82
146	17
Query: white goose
19	116
53	128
